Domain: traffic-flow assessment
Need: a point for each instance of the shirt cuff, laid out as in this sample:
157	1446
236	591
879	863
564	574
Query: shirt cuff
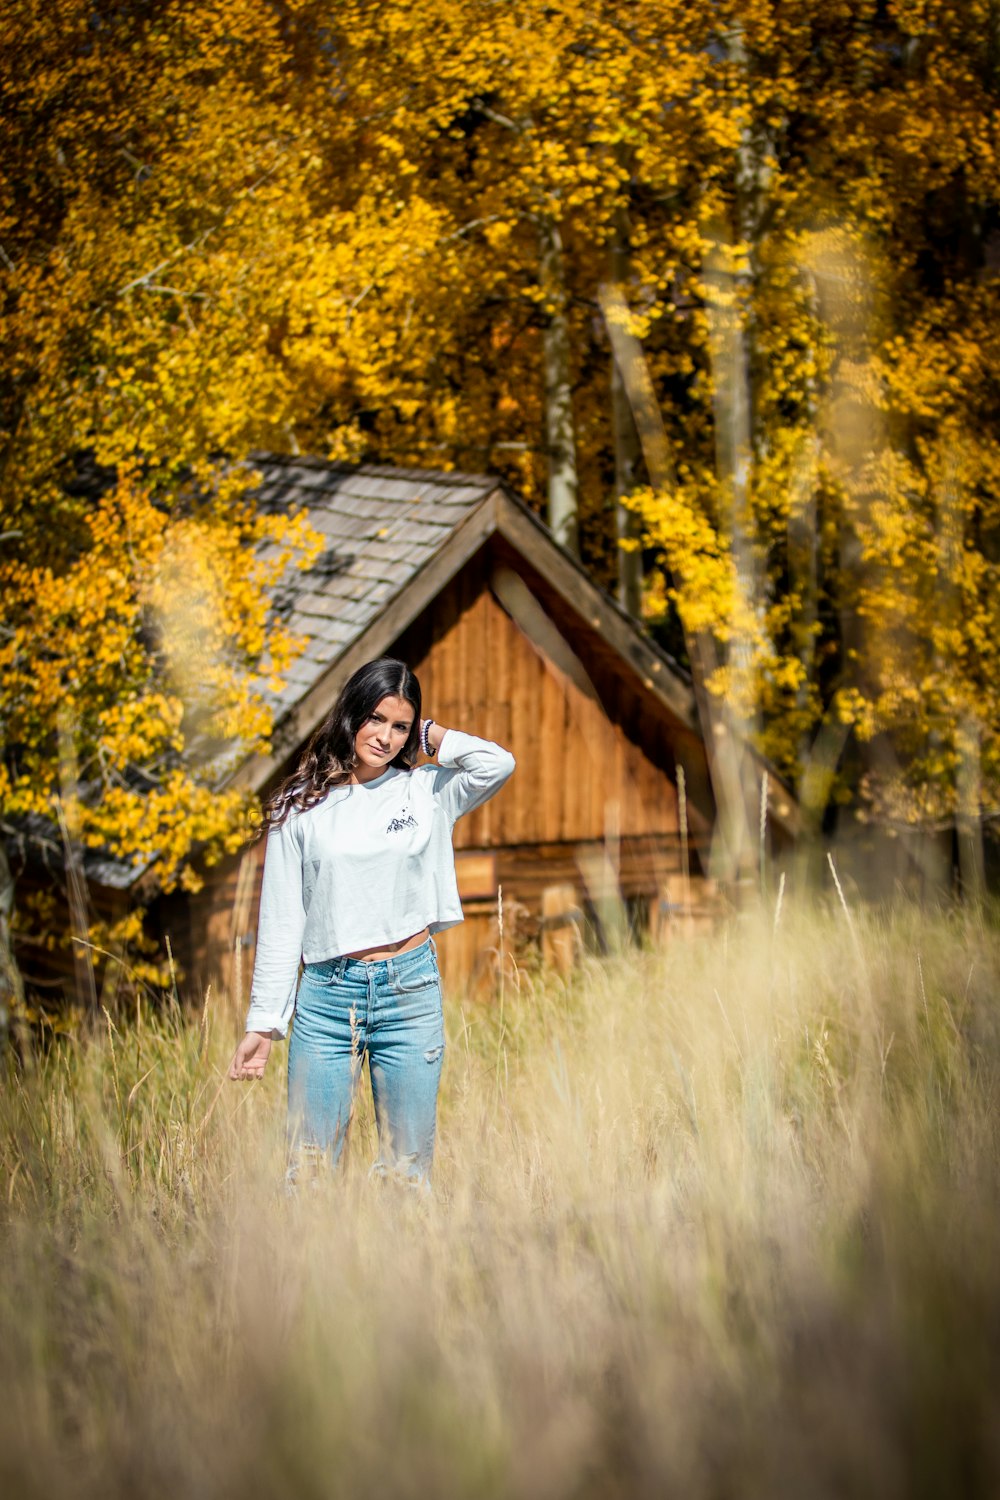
275	1027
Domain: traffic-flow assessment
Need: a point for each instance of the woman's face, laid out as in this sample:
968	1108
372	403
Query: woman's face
381	737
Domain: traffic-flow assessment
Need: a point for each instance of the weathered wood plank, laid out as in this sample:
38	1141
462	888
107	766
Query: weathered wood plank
517	526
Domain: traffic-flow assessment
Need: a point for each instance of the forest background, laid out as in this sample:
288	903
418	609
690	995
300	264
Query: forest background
413	234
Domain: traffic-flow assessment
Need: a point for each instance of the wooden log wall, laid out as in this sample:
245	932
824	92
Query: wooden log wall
579	773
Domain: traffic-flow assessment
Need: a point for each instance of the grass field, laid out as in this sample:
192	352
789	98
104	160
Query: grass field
717	1221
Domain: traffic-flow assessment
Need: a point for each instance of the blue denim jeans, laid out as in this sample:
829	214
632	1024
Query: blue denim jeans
390	1011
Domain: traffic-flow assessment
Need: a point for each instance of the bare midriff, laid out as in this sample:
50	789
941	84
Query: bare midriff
390	950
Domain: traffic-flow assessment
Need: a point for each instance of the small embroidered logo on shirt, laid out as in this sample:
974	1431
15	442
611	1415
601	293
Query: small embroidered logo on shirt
398	824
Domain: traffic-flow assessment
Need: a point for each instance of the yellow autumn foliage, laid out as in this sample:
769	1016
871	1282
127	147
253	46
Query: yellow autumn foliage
235	227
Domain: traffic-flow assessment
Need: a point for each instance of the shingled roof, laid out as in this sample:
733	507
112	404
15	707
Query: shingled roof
382	526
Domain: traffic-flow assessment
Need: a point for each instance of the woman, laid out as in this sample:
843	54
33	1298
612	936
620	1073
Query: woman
359	871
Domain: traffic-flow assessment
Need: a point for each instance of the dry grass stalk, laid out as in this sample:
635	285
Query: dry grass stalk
723	1224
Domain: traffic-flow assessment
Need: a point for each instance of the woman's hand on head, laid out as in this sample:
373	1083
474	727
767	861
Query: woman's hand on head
250	1057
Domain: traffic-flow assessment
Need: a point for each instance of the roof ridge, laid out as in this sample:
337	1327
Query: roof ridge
455	477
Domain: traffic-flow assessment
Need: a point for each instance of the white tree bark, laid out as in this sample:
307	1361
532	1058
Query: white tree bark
559	431
628	454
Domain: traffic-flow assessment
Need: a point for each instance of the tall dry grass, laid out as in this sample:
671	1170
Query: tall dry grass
717	1221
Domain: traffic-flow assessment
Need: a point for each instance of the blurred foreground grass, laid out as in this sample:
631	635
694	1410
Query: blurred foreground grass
720	1221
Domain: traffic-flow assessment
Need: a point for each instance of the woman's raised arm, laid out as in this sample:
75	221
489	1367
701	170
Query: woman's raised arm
471	769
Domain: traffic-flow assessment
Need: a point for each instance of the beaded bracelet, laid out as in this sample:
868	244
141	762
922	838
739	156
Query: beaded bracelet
425	743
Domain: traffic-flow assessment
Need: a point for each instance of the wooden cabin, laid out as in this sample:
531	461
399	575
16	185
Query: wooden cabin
511	641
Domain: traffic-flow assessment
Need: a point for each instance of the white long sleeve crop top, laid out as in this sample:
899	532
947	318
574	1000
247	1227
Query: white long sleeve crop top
369	865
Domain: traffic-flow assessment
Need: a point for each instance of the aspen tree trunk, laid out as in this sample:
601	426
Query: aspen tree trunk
729	277
803	581
732	330
950	528
969	816
559	433
67	811
76	895
720	749
11	983
628	455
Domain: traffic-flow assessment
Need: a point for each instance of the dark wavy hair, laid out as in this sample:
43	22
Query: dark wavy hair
328	759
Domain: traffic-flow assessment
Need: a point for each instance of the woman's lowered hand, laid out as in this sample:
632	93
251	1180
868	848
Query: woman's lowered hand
250	1058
